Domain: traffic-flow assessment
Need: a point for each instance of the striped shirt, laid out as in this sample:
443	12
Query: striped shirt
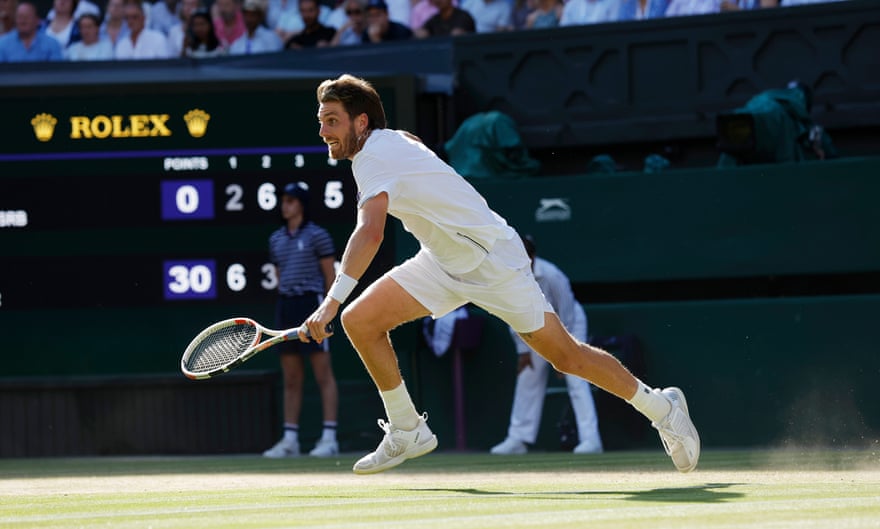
297	256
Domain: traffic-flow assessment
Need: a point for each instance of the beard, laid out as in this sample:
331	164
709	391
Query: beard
345	147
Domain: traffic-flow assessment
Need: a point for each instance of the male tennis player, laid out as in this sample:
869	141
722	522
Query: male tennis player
468	254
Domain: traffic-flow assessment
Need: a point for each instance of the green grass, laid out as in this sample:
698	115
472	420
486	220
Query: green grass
731	489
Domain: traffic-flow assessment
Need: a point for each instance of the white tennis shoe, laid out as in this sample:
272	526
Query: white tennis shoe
397	446
283	448
678	433
325	449
509	447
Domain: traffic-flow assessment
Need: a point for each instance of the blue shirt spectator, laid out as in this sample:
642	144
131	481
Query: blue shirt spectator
642	9
26	43
583	12
490	15
92	47
164	15
257	38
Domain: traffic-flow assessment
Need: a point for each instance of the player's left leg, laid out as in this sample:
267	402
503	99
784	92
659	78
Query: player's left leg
367	322
667	409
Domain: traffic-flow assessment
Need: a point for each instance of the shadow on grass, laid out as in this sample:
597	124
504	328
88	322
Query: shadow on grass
708	493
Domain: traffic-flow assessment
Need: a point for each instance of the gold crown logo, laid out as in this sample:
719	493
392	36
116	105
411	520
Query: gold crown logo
197	122
44	126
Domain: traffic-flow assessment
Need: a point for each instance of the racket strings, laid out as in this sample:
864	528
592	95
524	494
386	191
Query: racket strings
220	347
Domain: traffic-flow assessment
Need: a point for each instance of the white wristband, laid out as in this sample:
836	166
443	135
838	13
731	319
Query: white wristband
342	287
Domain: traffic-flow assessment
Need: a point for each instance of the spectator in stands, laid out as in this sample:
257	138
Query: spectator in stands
92	46
546	15
420	12
62	26
533	370
583	12
201	40
26	43
789	3
642	9
700	7
142	42
291	23
337	17
276	9
521	11
164	15
314	34
228	21
114	27
399	11
490	15
177	33
449	21
7	15
82	7
352	31
259	38
380	27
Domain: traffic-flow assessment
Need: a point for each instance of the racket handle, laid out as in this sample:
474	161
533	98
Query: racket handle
328	329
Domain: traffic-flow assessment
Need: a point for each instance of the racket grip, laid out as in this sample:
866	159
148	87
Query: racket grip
328	329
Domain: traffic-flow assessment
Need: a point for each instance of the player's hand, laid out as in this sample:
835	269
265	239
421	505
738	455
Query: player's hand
523	362
319	320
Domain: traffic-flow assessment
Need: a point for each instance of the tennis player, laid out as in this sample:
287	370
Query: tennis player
468	254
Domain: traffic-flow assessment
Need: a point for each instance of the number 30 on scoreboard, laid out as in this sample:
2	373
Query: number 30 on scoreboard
197	278
192	279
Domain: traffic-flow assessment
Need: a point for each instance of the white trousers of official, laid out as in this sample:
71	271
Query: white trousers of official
528	404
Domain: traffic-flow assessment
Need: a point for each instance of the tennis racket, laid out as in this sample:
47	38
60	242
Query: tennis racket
227	344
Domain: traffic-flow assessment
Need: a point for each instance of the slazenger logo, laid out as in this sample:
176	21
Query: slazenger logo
118	126
553	210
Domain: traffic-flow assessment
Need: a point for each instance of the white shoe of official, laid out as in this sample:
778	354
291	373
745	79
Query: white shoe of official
678	433
509	447
325	449
588	447
397	446
283	448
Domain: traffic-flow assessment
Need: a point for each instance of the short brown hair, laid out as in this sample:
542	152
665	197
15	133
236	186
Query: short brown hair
357	97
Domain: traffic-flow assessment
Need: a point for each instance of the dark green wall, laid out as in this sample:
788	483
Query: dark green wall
757	220
756	370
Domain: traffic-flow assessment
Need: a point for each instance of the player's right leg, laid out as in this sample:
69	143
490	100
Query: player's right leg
367	322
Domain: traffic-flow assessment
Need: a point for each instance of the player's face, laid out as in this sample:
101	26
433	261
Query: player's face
337	130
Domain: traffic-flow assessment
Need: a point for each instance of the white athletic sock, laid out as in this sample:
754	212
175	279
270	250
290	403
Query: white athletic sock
329	433
399	407
651	404
291	432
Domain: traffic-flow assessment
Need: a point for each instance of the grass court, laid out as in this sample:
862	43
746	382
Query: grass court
790	488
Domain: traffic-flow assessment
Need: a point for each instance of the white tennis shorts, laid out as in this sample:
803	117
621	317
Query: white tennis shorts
503	285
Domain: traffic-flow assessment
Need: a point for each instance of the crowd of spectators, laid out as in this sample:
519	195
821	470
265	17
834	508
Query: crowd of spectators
79	30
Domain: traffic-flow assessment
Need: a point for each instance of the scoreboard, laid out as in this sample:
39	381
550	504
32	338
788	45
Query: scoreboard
160	198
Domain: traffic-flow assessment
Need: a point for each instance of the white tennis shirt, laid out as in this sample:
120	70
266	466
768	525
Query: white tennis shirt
448	217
